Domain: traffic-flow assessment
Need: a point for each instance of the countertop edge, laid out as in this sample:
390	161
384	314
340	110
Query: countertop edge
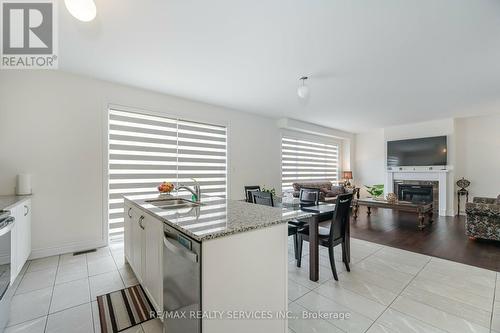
214	235
20	199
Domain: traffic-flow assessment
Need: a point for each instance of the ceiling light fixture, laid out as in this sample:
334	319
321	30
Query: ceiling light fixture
83	10
303	90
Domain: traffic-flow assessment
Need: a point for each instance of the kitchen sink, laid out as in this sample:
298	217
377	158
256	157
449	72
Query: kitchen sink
173	203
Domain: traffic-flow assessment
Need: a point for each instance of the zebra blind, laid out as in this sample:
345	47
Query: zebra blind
145	150
303	160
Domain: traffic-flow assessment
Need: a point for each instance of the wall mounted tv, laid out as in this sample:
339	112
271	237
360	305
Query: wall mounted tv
417	152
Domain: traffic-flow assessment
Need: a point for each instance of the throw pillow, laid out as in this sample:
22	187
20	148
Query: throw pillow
336	190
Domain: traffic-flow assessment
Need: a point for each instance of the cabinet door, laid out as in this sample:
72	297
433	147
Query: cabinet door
25	232
128	217
153	261
20	237
137	225
14	236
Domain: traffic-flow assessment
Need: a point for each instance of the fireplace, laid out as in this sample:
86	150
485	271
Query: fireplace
438	179
415	193
418	191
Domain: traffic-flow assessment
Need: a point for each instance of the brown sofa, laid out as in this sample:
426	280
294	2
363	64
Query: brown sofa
327	191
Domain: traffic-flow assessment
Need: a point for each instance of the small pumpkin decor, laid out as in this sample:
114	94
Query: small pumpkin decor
391	198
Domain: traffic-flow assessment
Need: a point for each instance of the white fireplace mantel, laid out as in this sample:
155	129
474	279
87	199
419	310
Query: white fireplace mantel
441	176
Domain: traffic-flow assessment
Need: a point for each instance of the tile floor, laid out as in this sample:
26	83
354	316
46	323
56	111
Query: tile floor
58	294
388	290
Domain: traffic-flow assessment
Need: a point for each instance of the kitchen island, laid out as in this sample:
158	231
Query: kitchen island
223	260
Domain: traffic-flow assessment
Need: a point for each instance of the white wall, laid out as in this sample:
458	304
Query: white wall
473	152
369	159
478	154
51	125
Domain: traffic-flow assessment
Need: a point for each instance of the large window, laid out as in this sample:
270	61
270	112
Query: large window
145	150
307	160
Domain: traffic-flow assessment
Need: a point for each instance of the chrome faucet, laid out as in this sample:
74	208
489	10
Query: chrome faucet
196	192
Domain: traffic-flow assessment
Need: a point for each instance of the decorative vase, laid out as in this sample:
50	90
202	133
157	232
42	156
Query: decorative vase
391	198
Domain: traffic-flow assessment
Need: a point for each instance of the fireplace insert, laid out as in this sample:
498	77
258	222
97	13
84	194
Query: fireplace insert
415	193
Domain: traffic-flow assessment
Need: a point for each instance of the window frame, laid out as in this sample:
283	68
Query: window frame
290	134
163	112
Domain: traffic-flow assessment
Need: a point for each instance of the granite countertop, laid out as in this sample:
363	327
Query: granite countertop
217	217
9	201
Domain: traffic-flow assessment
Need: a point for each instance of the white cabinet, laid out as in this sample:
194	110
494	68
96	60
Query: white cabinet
20	237
144	251
134	240
153	260
25	234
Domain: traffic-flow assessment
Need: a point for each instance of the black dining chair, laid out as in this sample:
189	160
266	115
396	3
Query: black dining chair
248	192
266	198
307	197
262	198
338	233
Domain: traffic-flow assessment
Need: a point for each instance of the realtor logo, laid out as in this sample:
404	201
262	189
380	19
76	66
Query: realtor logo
28	35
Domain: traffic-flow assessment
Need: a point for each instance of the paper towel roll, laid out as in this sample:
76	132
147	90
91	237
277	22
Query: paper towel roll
23	184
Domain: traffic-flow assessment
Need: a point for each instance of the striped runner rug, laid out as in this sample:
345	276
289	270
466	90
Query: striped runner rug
124	308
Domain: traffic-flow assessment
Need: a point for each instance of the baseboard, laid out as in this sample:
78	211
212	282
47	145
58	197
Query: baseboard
69	248
449	212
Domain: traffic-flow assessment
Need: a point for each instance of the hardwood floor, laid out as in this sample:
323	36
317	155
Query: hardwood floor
445	238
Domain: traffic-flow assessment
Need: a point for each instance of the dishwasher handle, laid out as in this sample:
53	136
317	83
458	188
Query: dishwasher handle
175	247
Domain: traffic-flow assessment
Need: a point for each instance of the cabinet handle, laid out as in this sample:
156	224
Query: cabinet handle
27	210
129	215
140	222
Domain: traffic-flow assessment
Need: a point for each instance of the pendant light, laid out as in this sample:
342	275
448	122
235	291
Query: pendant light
303	90
83	10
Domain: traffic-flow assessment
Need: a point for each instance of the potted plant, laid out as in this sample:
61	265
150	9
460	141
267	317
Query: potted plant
376	191
269	190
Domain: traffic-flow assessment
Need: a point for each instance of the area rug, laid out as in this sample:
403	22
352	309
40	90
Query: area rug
123	309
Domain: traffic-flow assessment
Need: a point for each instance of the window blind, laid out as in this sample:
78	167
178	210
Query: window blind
303	160
145	150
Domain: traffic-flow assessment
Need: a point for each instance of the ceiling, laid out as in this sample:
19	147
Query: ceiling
371	63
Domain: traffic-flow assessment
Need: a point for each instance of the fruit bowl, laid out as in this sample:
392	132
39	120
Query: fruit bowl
165	188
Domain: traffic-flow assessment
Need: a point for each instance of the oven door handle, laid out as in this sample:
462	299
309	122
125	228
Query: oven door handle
7	226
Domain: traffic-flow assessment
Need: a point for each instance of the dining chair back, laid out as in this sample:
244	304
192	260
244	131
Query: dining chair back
309	196
248	192
340	220
263	198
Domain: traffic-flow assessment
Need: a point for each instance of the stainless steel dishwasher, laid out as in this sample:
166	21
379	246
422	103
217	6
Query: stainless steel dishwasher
181	282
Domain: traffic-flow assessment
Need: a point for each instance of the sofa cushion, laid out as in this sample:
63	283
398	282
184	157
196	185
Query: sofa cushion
316	184
484	200
498	200
335	191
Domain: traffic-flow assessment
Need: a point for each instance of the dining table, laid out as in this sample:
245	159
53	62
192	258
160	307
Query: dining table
319	212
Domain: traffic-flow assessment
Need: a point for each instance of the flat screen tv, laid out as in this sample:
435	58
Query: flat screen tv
417	152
